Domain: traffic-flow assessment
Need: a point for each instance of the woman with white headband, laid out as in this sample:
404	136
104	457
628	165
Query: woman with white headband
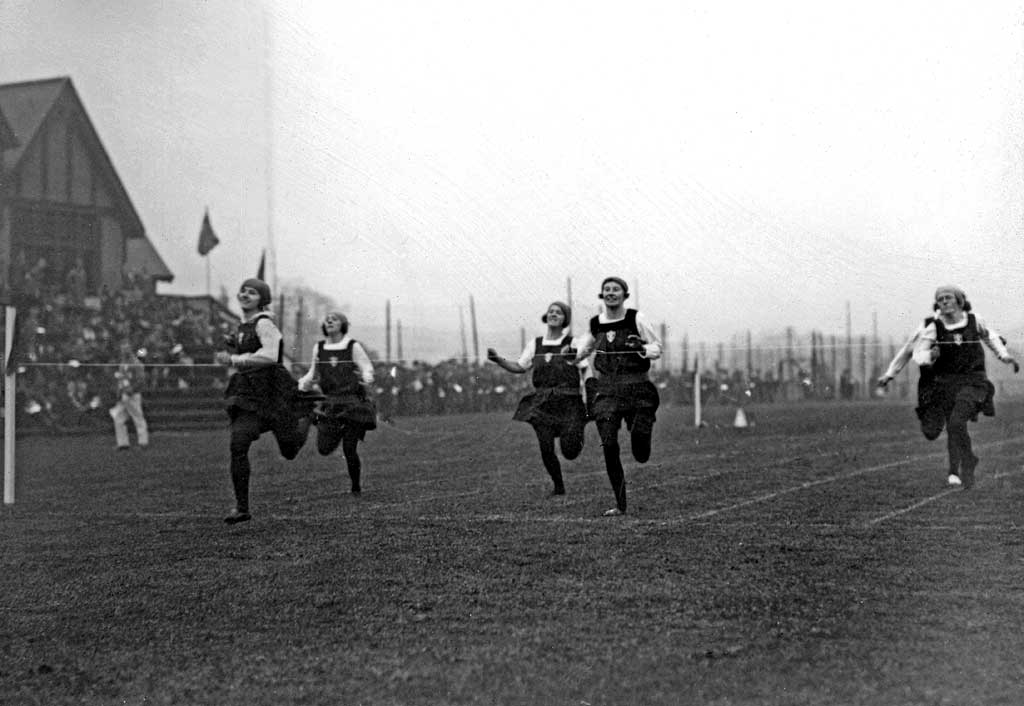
951	349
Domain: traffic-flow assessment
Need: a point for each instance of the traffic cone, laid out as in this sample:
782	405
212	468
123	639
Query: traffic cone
740	422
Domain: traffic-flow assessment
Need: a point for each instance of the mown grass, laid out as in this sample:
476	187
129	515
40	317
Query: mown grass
779	564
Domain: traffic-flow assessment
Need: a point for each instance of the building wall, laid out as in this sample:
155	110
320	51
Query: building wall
111	252
59	173
82	181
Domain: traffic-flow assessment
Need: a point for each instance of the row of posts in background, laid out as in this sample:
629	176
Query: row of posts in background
794	368
794	364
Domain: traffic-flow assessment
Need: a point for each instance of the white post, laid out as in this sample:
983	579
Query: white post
696	395
10	405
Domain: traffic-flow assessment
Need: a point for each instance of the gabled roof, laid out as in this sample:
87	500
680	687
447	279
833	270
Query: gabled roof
27	105
141	256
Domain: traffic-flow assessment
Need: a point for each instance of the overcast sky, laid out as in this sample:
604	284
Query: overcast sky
744	165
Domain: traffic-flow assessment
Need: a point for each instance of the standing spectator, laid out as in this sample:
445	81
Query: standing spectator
555	408
951	346
75	281
622	345
130	378
345	373
261	394
35	280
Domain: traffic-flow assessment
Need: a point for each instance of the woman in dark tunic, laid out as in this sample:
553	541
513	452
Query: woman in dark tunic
261	395
555	408
345	373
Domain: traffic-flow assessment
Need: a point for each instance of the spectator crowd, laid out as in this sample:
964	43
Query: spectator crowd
67	346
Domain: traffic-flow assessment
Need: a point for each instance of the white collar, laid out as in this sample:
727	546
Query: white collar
343	343
956	324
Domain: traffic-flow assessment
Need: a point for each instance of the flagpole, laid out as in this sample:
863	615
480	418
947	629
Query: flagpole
462	334
697	403
476	344
268	115
299	316
387	332
209	295
568	300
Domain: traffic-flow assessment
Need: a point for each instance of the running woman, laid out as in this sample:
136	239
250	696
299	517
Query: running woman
555	408
621	344
950	347
345	375
261	395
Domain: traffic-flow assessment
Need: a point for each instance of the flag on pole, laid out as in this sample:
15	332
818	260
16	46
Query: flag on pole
207	238
263	266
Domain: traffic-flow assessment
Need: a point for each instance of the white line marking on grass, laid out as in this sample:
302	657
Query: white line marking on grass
596	519
803	486
822	481
1006	474
381	502
909	508
717	511
902	511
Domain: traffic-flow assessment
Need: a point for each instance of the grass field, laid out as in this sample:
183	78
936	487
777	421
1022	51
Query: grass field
815	557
